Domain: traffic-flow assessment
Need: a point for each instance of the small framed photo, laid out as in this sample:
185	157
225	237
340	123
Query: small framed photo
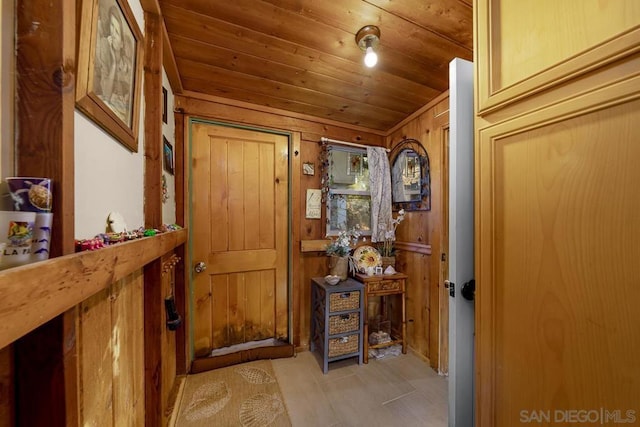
167	155
378	270
354	164
308	168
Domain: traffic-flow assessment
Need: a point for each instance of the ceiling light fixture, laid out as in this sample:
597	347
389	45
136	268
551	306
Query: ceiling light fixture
367	39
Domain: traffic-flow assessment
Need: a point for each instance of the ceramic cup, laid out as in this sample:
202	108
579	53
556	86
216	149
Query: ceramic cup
41	237
16	231
30	194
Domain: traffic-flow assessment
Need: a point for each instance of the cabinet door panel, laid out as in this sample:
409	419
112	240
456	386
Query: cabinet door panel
558	239
526	47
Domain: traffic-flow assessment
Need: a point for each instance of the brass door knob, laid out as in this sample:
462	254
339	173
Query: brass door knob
200	267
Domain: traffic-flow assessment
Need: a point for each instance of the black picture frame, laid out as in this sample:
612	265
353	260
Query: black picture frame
167	156
164	105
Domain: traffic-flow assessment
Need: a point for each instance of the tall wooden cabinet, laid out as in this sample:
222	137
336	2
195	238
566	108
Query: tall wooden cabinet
557	196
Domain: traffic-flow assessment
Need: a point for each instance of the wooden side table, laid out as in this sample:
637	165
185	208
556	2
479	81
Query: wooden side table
384	286
337	320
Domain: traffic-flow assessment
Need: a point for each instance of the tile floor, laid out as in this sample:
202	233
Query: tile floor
394	391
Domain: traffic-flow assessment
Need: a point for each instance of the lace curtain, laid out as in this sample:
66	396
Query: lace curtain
380	185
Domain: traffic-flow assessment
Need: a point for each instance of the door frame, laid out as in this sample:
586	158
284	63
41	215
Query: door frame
188	189
443	292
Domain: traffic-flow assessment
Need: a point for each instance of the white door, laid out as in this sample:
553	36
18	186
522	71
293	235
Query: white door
461	311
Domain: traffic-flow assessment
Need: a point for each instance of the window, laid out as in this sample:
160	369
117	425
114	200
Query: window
347	190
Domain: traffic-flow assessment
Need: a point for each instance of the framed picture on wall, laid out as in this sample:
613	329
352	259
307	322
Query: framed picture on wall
164	105
354	164
308	168
167	155
110	68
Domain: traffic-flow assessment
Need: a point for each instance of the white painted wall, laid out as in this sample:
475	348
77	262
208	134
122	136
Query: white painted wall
169	130
108	177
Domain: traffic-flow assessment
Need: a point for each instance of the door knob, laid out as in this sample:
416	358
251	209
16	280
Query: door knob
200	267
469	290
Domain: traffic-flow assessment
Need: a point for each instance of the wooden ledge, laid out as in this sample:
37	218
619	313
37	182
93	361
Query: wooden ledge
35	293
420	248
314	245
321	246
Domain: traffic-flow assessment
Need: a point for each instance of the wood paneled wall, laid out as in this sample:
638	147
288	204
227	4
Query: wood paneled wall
306	133
45	72
108	341
103	291
170	383
6	387
111	355
421	232
85	366
421	236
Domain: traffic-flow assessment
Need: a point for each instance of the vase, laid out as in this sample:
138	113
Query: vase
388	261
339	266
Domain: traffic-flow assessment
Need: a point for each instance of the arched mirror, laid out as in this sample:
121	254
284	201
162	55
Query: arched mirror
410	176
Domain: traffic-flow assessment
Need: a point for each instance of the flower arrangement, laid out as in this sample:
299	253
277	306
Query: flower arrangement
341	246
386	247
339	249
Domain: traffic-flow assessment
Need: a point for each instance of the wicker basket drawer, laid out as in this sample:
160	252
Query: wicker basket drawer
385	285
341	301
342	323
343	345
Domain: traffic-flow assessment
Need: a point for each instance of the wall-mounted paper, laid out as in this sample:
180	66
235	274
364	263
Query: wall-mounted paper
314	203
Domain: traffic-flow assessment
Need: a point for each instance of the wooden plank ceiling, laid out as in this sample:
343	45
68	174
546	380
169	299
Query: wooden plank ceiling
301	55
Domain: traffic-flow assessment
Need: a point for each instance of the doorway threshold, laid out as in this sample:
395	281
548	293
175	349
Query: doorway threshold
241	353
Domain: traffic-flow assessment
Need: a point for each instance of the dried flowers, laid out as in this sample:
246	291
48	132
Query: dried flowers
386	248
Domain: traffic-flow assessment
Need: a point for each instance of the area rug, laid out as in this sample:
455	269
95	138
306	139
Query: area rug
244	395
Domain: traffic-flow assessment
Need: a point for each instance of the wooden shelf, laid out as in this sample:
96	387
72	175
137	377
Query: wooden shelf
386	344
314	245
35	293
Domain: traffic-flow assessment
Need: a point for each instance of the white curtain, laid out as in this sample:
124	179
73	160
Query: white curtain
380	183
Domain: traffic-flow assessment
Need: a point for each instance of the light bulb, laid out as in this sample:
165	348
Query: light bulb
370	57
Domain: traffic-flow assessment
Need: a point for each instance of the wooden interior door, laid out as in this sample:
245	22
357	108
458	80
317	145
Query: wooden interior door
239	203
557	202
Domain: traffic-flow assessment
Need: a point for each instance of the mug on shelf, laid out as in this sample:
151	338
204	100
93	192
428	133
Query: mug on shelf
41	236
31	194
16	231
